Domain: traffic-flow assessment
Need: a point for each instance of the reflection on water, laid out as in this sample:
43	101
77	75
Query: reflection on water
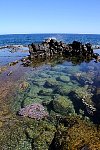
66	89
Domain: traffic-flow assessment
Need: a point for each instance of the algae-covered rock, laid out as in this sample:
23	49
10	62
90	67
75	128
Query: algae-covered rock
42	134
14	138
33	91
29	101
51	83
63	89
63	105
63	78
44	75
46	92
83	93
74	133
39	81
24	85
1	124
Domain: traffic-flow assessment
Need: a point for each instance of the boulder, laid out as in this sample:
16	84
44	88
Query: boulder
63	105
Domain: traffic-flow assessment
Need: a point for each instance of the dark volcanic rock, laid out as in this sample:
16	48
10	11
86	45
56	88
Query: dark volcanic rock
52	47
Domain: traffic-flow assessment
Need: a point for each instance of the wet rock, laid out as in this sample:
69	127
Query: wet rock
52	47
13	63
98	58
63	105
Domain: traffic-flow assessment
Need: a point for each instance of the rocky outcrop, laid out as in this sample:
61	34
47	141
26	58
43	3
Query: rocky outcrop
51	47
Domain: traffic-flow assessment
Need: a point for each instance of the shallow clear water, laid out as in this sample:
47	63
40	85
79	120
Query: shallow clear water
7	56
65	79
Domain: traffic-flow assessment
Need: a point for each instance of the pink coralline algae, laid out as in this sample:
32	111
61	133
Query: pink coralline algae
34	111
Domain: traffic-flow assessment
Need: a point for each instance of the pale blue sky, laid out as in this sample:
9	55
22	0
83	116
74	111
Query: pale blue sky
49	16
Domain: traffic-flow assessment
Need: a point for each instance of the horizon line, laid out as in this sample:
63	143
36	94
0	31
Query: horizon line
49	33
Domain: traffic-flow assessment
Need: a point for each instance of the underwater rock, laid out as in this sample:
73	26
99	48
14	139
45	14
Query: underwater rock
29	101
63	105
63	89
84	78
23	86
50	83
34	90
13	137
34	111
86	97
41	134
63	78
45	92
74	133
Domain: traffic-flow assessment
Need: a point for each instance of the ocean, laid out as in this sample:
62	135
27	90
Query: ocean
25	39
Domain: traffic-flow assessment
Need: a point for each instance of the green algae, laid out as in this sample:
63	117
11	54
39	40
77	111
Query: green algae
42	135
63	105
64	78
74	133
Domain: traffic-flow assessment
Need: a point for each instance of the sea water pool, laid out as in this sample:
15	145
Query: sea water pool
68	90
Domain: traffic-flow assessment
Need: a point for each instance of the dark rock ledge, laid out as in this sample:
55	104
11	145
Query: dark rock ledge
51	47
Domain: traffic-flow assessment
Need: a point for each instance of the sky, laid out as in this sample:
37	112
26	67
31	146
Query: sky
49	16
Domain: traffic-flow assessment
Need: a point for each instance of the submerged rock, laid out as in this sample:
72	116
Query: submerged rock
63	105
50	83
23	86
41	135
34	111
64	78
75	134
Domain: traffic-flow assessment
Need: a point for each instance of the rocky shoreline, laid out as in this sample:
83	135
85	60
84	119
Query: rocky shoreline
51	47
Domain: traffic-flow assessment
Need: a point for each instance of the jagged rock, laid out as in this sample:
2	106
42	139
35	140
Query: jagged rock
51	47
